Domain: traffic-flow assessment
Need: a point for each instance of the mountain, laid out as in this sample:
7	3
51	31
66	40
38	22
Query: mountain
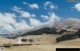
69	23
66	25
45	30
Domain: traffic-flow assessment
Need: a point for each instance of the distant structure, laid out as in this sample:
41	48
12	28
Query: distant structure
2	48
19	40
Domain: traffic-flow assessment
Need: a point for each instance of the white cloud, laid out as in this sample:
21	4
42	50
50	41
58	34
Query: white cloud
27	14
22	25
15	8
23	13
8	19
5	20
24	3
8	27
49	5
45	17
34	22
52	7
53	18
34	6
77	6
33	15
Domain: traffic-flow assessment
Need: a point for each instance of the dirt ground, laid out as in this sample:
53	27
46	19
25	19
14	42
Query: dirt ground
41	43
39	48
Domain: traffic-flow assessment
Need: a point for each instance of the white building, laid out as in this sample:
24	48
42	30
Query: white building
19	40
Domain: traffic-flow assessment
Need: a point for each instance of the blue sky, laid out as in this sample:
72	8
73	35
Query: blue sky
31	13
63	6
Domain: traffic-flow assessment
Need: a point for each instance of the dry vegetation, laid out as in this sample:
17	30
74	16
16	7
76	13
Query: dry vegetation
39	48
42	43
7	41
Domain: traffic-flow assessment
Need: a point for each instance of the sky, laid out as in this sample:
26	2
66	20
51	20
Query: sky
18	15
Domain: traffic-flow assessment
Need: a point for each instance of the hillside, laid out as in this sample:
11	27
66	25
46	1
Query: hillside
39	48
50	47
45	42
7	41
74	42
